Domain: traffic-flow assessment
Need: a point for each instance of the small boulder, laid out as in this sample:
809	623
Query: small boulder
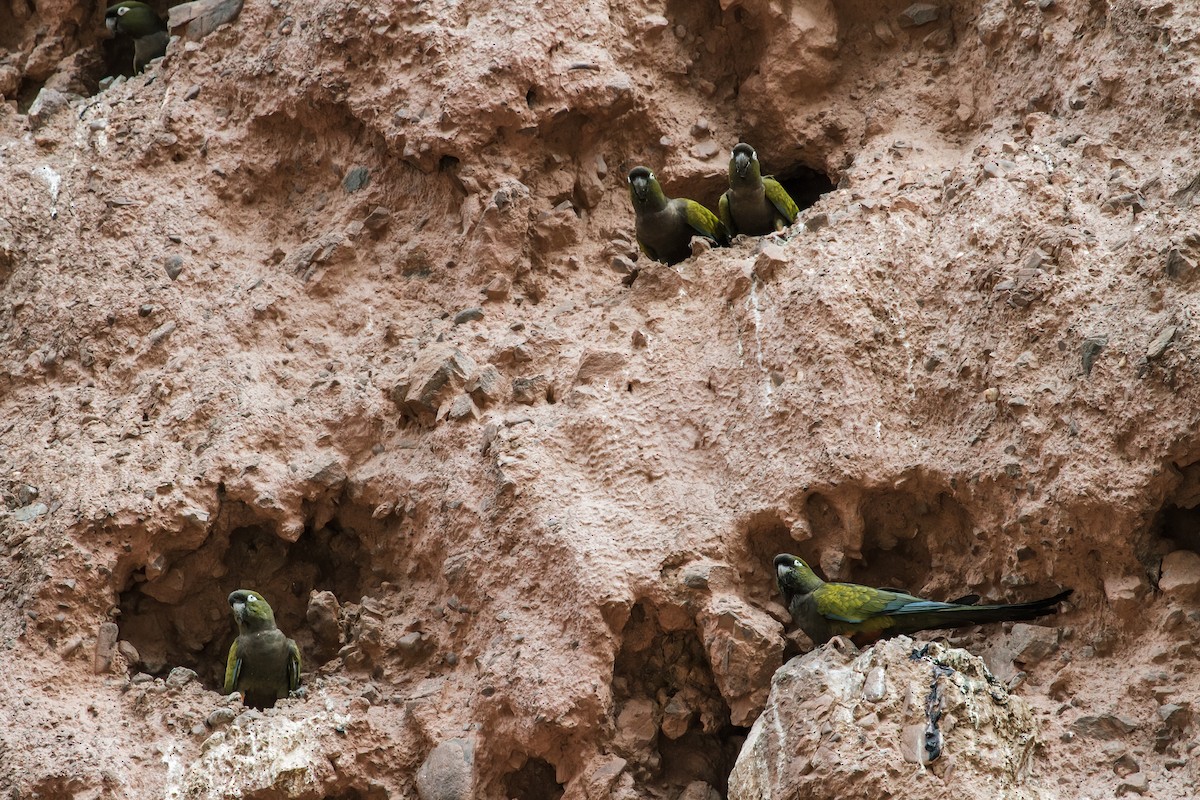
1181	574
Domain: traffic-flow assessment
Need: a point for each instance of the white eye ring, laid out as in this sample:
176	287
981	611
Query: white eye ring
122	11
251	598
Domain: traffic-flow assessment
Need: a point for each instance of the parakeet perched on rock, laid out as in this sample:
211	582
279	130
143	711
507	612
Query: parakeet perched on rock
824	610
263	664
665	227
139	22
754	205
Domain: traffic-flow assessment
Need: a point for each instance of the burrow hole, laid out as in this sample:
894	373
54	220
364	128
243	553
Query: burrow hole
534	780
672	725
176	612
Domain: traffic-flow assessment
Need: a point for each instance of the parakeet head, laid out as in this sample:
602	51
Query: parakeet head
644	190
743	164
794	576
251	611
134	19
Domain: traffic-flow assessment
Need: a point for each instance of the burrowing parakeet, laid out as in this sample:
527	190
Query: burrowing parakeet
665	226
139	22
824	610
754	205
263	664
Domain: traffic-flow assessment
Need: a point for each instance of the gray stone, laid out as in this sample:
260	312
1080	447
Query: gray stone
1180	574
356	178
699	790
1137	783
174	266
132	657
378	219
531	390
919	14
1031	644
497	288
180	677
875	686
439	374
677	718
462	407
47	103
222	716
468	315
160	333
485	386
197	19
1159	345
106	647
448	772
1103	726
1090	350
622	264
1179	265
322	617
29	512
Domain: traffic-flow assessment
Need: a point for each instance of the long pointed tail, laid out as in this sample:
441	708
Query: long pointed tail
961	616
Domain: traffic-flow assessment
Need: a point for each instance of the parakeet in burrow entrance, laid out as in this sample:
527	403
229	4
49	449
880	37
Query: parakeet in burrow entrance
139	22
824	610
263	664
665	227
754	205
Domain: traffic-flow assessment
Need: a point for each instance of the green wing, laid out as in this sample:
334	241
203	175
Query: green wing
705	223
233	669
293	666
726	215
782	201
849	602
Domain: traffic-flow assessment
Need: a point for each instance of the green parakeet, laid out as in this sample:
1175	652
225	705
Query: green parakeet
139	22
665	227
824	610
263	664
754	205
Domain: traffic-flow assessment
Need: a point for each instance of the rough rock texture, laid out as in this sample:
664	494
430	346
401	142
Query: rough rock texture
340	302
903	718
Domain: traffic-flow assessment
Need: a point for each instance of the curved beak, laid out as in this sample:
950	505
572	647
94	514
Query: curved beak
641	188
741	164
111	24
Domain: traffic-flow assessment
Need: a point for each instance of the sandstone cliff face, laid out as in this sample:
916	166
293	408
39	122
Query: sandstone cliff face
334	304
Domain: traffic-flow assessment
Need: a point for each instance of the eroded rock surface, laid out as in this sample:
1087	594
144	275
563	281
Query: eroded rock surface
341	302
903	716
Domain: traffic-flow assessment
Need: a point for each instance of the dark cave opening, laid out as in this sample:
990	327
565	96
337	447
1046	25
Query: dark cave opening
1178	521
805	185
176	613
672	724
535	780
766	536
898	528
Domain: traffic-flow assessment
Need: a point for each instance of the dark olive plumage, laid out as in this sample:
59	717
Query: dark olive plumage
140	23
263	664
665	226
754	205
